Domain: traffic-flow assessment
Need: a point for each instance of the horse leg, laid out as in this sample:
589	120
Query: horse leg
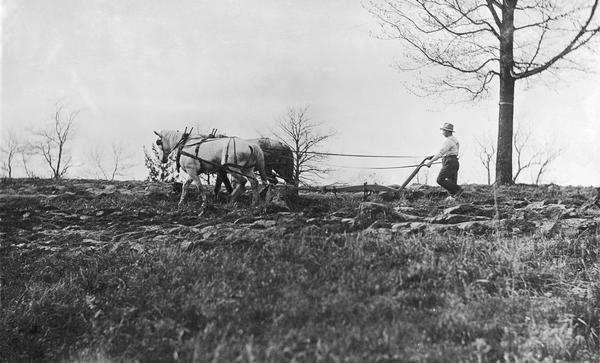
218	183
184	189
222	179
238	188
249	174
226	182
255	191
201	194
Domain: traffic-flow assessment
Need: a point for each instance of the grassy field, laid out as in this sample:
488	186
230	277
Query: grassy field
99	271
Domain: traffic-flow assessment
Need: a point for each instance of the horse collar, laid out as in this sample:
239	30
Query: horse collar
179	146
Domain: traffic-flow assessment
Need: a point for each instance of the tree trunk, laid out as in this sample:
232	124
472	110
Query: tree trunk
296	174
297	164
507	96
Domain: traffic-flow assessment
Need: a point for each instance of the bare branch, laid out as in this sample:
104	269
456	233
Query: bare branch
490	5
96	160
529	154
581	38
546	158
520	142
445	34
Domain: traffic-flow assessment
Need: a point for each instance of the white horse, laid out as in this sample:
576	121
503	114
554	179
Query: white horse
197	154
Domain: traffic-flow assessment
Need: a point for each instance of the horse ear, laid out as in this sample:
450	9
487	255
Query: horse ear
157	134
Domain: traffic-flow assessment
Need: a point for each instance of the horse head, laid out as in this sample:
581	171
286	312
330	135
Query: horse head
167	141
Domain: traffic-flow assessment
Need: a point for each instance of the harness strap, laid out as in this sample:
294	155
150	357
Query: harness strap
183	144
228	166
235	161
235	156
224	167
227	150
180	146
201	165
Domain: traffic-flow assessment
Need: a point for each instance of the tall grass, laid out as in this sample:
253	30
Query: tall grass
346	297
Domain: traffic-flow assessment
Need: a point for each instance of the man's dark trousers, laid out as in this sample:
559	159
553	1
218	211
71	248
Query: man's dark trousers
449	174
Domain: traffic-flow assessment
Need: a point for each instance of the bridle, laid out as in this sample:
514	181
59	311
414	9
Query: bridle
179	144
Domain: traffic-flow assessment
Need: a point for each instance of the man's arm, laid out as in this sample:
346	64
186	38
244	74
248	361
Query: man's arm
445	148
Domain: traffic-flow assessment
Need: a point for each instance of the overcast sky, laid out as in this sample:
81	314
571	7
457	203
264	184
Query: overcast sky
136	66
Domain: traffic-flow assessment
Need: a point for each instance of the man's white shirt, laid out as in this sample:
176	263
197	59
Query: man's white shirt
450	147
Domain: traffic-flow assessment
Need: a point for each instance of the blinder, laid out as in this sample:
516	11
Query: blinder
159	142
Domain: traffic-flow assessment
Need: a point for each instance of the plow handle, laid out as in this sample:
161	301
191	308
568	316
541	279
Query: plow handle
412	175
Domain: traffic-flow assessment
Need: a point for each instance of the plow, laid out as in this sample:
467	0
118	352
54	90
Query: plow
366	189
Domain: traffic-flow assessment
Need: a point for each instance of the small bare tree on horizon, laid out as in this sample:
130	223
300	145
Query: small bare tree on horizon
530	155
523	160
548	155
119	163
302	135
27	153
10	148
487	153
53	141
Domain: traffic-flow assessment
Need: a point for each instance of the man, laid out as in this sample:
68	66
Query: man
449	154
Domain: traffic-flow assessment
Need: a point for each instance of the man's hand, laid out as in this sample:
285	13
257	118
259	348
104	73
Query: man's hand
428	164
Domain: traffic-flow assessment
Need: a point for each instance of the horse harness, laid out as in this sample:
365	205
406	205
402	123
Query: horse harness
225	167
235	157
180	145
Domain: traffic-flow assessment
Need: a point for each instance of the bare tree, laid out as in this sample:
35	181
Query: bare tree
523	160
26	153
53	140
545	159
465	45
487	152
119	163
529	155
303	136
9	148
